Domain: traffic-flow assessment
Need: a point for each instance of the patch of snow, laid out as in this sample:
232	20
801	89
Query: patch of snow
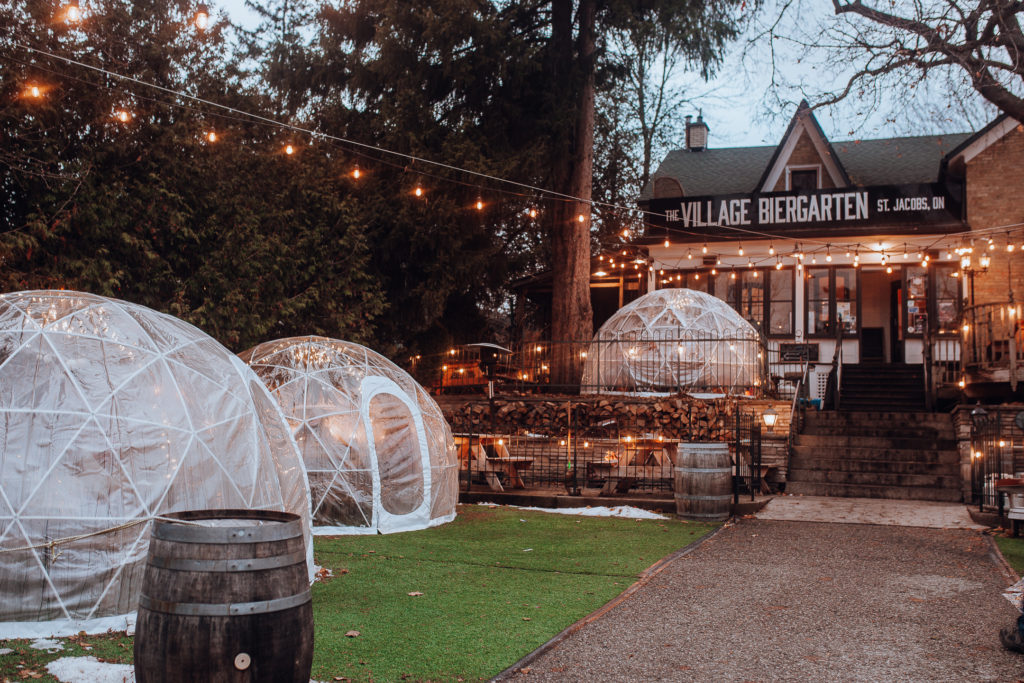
5	650
90	670
66	627
45	644
626	511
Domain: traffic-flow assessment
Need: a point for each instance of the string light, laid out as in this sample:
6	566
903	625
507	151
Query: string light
689	255
904	251
704	249
356	173
666	244
741	248
771	249
72	12
778	264
211	136
289	149
202	16
418	191
828	254
34	91
123	115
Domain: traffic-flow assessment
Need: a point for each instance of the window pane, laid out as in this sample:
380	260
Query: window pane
803	180
817	300
752	298
947	298
725	287
846	298
780	312
917	299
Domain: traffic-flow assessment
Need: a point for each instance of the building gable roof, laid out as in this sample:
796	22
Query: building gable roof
887	161
803	122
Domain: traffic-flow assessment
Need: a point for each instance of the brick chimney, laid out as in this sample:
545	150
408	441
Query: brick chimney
696	134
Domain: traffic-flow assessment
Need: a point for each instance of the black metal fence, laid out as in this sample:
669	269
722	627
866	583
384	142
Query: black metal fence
657	363
997	452
610	458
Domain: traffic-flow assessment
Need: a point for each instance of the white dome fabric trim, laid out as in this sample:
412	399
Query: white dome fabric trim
112	415
673	340
379	454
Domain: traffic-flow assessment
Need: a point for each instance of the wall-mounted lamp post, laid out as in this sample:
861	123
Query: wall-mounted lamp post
769	417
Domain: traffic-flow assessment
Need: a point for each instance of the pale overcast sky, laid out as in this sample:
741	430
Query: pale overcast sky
735	108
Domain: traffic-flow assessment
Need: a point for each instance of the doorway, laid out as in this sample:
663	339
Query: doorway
880	341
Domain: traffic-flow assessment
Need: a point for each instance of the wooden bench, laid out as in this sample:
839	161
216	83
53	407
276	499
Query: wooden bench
619	479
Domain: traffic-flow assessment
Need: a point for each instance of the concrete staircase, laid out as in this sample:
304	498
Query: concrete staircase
897	455
886	387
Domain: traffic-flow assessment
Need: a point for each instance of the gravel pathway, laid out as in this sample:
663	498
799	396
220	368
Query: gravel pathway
801	601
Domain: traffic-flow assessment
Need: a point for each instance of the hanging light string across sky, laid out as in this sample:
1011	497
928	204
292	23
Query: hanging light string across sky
533	190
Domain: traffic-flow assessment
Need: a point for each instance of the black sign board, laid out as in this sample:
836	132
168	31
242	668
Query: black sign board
792	353
854	207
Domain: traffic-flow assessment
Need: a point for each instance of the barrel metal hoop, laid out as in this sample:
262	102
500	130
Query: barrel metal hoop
704	469
246	564
181	533
202	609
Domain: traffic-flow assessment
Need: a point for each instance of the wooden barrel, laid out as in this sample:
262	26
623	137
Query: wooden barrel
703	481
225	597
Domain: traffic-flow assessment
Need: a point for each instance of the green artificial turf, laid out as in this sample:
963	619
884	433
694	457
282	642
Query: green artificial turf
495	584
1013	550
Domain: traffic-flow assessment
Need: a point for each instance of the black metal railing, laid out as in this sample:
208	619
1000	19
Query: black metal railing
747	456
644	364
997	452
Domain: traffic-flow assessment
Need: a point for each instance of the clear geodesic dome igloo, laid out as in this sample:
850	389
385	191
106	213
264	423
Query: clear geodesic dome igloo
378	452
674	340
111	415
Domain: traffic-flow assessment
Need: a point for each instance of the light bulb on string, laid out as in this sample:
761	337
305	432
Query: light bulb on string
847	252
34	91
778	264
202	19
689	255
532	212
289	149
123	115
704	249
771	249
732	275
828	254
904	251
356	172
211	136
714	271
1009	244
741	248
666	244
418	191
72	12
888	269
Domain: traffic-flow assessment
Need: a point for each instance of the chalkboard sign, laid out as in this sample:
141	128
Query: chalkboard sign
792	353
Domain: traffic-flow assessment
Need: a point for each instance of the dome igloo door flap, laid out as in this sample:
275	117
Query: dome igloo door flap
401	479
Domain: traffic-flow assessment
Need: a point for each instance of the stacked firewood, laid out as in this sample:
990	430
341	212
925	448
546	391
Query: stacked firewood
681	418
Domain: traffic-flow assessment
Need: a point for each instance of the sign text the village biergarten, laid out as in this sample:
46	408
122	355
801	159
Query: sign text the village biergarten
880	205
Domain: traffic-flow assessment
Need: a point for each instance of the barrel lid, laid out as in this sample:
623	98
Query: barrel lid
227	526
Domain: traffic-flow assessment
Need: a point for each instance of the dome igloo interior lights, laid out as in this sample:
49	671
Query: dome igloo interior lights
379	454
112	414
670	340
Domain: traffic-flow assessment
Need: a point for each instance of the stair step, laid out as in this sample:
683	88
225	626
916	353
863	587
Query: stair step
865	491
874	479
845	441
926	432
875	415
944	467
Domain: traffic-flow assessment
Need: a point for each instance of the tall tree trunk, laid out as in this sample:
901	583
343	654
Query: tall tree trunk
571	313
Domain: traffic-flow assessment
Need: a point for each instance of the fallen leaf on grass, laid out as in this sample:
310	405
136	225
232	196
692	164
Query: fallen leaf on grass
415	594
352	634
526	618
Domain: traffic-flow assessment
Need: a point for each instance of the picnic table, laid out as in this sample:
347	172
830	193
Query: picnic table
489	456
641	459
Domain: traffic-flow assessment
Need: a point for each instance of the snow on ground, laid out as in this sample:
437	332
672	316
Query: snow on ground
90	670
48	645
627	511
